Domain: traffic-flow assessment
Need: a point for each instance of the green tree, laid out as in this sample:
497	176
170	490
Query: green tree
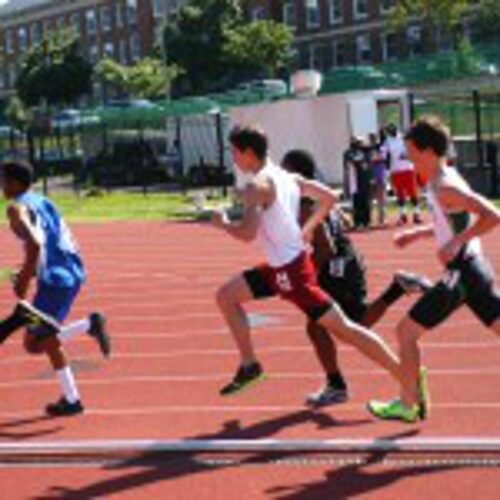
16	113
264	46
54	72
149	78
445	15
195	40
487	25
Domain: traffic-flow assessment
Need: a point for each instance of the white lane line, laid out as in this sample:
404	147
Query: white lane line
182	353
212	378
197	409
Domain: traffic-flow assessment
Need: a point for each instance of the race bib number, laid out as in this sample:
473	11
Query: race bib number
451	278
337	267
283	282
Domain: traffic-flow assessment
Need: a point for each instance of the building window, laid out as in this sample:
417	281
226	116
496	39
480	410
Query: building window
313	17
290	15
109	49
339	54
105	18
76	22
131	12
414	40
119	19
9	42
12	75
336	14
363	49
390	47
258	14
123	51
61	23
22	39
360	9
47	27
316	56
158	8
36	33
94	53
387	5
135	47
91	21
444	40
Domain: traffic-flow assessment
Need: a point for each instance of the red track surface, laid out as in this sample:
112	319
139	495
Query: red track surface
156	283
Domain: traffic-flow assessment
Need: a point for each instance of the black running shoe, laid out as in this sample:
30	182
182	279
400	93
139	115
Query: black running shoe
98	332
63	408
412	283
245	377
37	318
327	395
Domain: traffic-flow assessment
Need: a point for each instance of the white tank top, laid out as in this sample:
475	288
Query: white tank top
449	224
279	234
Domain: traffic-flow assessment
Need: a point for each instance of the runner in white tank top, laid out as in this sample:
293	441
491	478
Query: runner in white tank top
447	224
271	216
460	217
279	233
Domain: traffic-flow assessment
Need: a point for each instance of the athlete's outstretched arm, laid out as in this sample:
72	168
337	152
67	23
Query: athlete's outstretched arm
255	196
325	198
460	200
21	226
404	238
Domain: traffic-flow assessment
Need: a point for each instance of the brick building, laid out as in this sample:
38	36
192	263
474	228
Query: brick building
328	33
123	29
336	33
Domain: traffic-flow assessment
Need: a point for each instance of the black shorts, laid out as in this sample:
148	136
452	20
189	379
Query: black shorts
468	280
344	279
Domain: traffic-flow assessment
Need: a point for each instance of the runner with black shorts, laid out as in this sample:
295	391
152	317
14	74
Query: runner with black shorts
342	274
460	217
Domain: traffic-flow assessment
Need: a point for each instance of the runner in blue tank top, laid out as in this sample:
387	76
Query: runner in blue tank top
52	257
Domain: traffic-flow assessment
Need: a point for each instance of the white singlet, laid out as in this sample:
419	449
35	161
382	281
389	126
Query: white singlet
448	224
279	233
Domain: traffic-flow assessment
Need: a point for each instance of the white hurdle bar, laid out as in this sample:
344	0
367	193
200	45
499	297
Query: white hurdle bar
416	445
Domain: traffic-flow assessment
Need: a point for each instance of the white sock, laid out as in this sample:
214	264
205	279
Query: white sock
68	384
68	332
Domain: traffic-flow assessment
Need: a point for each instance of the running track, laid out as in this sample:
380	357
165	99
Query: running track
156	283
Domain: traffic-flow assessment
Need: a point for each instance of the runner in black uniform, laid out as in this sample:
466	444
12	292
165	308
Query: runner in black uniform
342	274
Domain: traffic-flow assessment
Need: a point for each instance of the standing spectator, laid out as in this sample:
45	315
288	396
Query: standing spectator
379	171
403	178
358	167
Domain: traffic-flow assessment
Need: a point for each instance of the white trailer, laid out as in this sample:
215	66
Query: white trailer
324	125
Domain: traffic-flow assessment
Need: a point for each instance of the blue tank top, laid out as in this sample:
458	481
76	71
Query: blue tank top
60	264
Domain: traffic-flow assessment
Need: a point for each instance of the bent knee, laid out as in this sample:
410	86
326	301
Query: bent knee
408	330
223	296
33	346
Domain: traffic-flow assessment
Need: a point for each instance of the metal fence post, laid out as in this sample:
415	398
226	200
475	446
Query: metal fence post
492	160
220	150
476	98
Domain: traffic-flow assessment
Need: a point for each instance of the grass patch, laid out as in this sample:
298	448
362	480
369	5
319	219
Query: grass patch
118	206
